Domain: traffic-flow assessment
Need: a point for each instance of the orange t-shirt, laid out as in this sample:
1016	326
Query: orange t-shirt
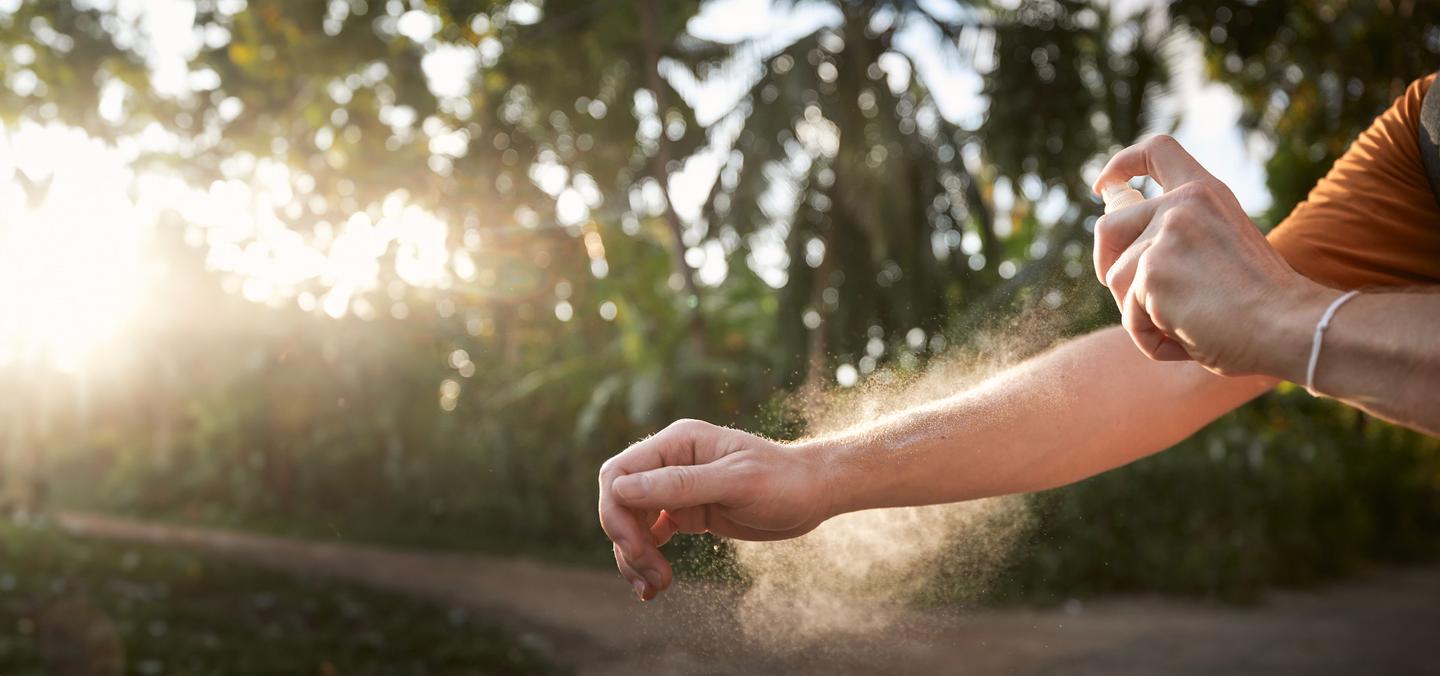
1373	220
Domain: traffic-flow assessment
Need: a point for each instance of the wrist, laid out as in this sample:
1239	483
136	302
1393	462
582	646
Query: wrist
829	464
1290	329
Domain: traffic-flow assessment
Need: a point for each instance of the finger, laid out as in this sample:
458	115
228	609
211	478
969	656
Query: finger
636	582
1140	326
675	487
653	567
643	591
663	529
621	525
675	445
1116	231
1165	348
1159	157
691	519
1170	350
1121	275
650	563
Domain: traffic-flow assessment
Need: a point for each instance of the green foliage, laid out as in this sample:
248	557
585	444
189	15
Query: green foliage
1070	81
259	415
56	52
1311	75
72	606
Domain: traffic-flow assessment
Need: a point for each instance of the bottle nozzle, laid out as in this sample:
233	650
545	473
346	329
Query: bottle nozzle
1118	195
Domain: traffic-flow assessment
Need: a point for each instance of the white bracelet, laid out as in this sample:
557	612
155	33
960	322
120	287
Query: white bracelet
1320	337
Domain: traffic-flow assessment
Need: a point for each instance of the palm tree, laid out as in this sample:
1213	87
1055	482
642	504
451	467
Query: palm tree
891	205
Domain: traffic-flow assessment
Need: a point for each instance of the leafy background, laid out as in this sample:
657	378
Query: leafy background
905	235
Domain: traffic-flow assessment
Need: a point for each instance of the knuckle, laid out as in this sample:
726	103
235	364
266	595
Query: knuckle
1212	188
1105	231
1202	192
687	427
1113	276
1171	225
609	469
1149	270
685	479
1189	193
1161	141
1209	192
1130	320
1157	275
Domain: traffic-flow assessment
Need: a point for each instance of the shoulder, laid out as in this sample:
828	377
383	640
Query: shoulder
1373	219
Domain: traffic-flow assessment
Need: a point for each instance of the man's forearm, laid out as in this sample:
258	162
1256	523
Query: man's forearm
1089	405
1381	353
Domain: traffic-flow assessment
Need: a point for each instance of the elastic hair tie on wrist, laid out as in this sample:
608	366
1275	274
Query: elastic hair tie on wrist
1320	327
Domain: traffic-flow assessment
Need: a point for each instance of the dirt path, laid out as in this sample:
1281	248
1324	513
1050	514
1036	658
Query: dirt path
1384	622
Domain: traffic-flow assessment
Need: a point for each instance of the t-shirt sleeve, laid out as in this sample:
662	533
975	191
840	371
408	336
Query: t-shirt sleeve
1373	220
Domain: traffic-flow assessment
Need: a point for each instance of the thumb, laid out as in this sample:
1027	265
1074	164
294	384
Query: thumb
675	487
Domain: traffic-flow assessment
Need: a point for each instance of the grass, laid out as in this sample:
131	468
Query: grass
75	606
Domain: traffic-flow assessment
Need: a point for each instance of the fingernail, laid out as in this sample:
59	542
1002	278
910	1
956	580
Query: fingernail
632	487
639	586
654	578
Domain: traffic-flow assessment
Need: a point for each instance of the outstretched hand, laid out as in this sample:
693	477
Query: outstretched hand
694	477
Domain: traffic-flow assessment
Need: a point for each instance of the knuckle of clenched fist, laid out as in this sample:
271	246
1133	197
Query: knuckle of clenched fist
1112	276
1190	193
1164	252
1211	191
1172	225
1154	271
1160	141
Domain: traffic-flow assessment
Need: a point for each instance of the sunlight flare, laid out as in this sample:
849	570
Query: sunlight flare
72	247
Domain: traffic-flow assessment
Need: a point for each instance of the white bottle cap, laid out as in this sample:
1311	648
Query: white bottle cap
1118	195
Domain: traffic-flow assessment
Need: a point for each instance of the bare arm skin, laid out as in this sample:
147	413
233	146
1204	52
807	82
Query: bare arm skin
1091	405
1211	314
1087	406
1381	353
1194	279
